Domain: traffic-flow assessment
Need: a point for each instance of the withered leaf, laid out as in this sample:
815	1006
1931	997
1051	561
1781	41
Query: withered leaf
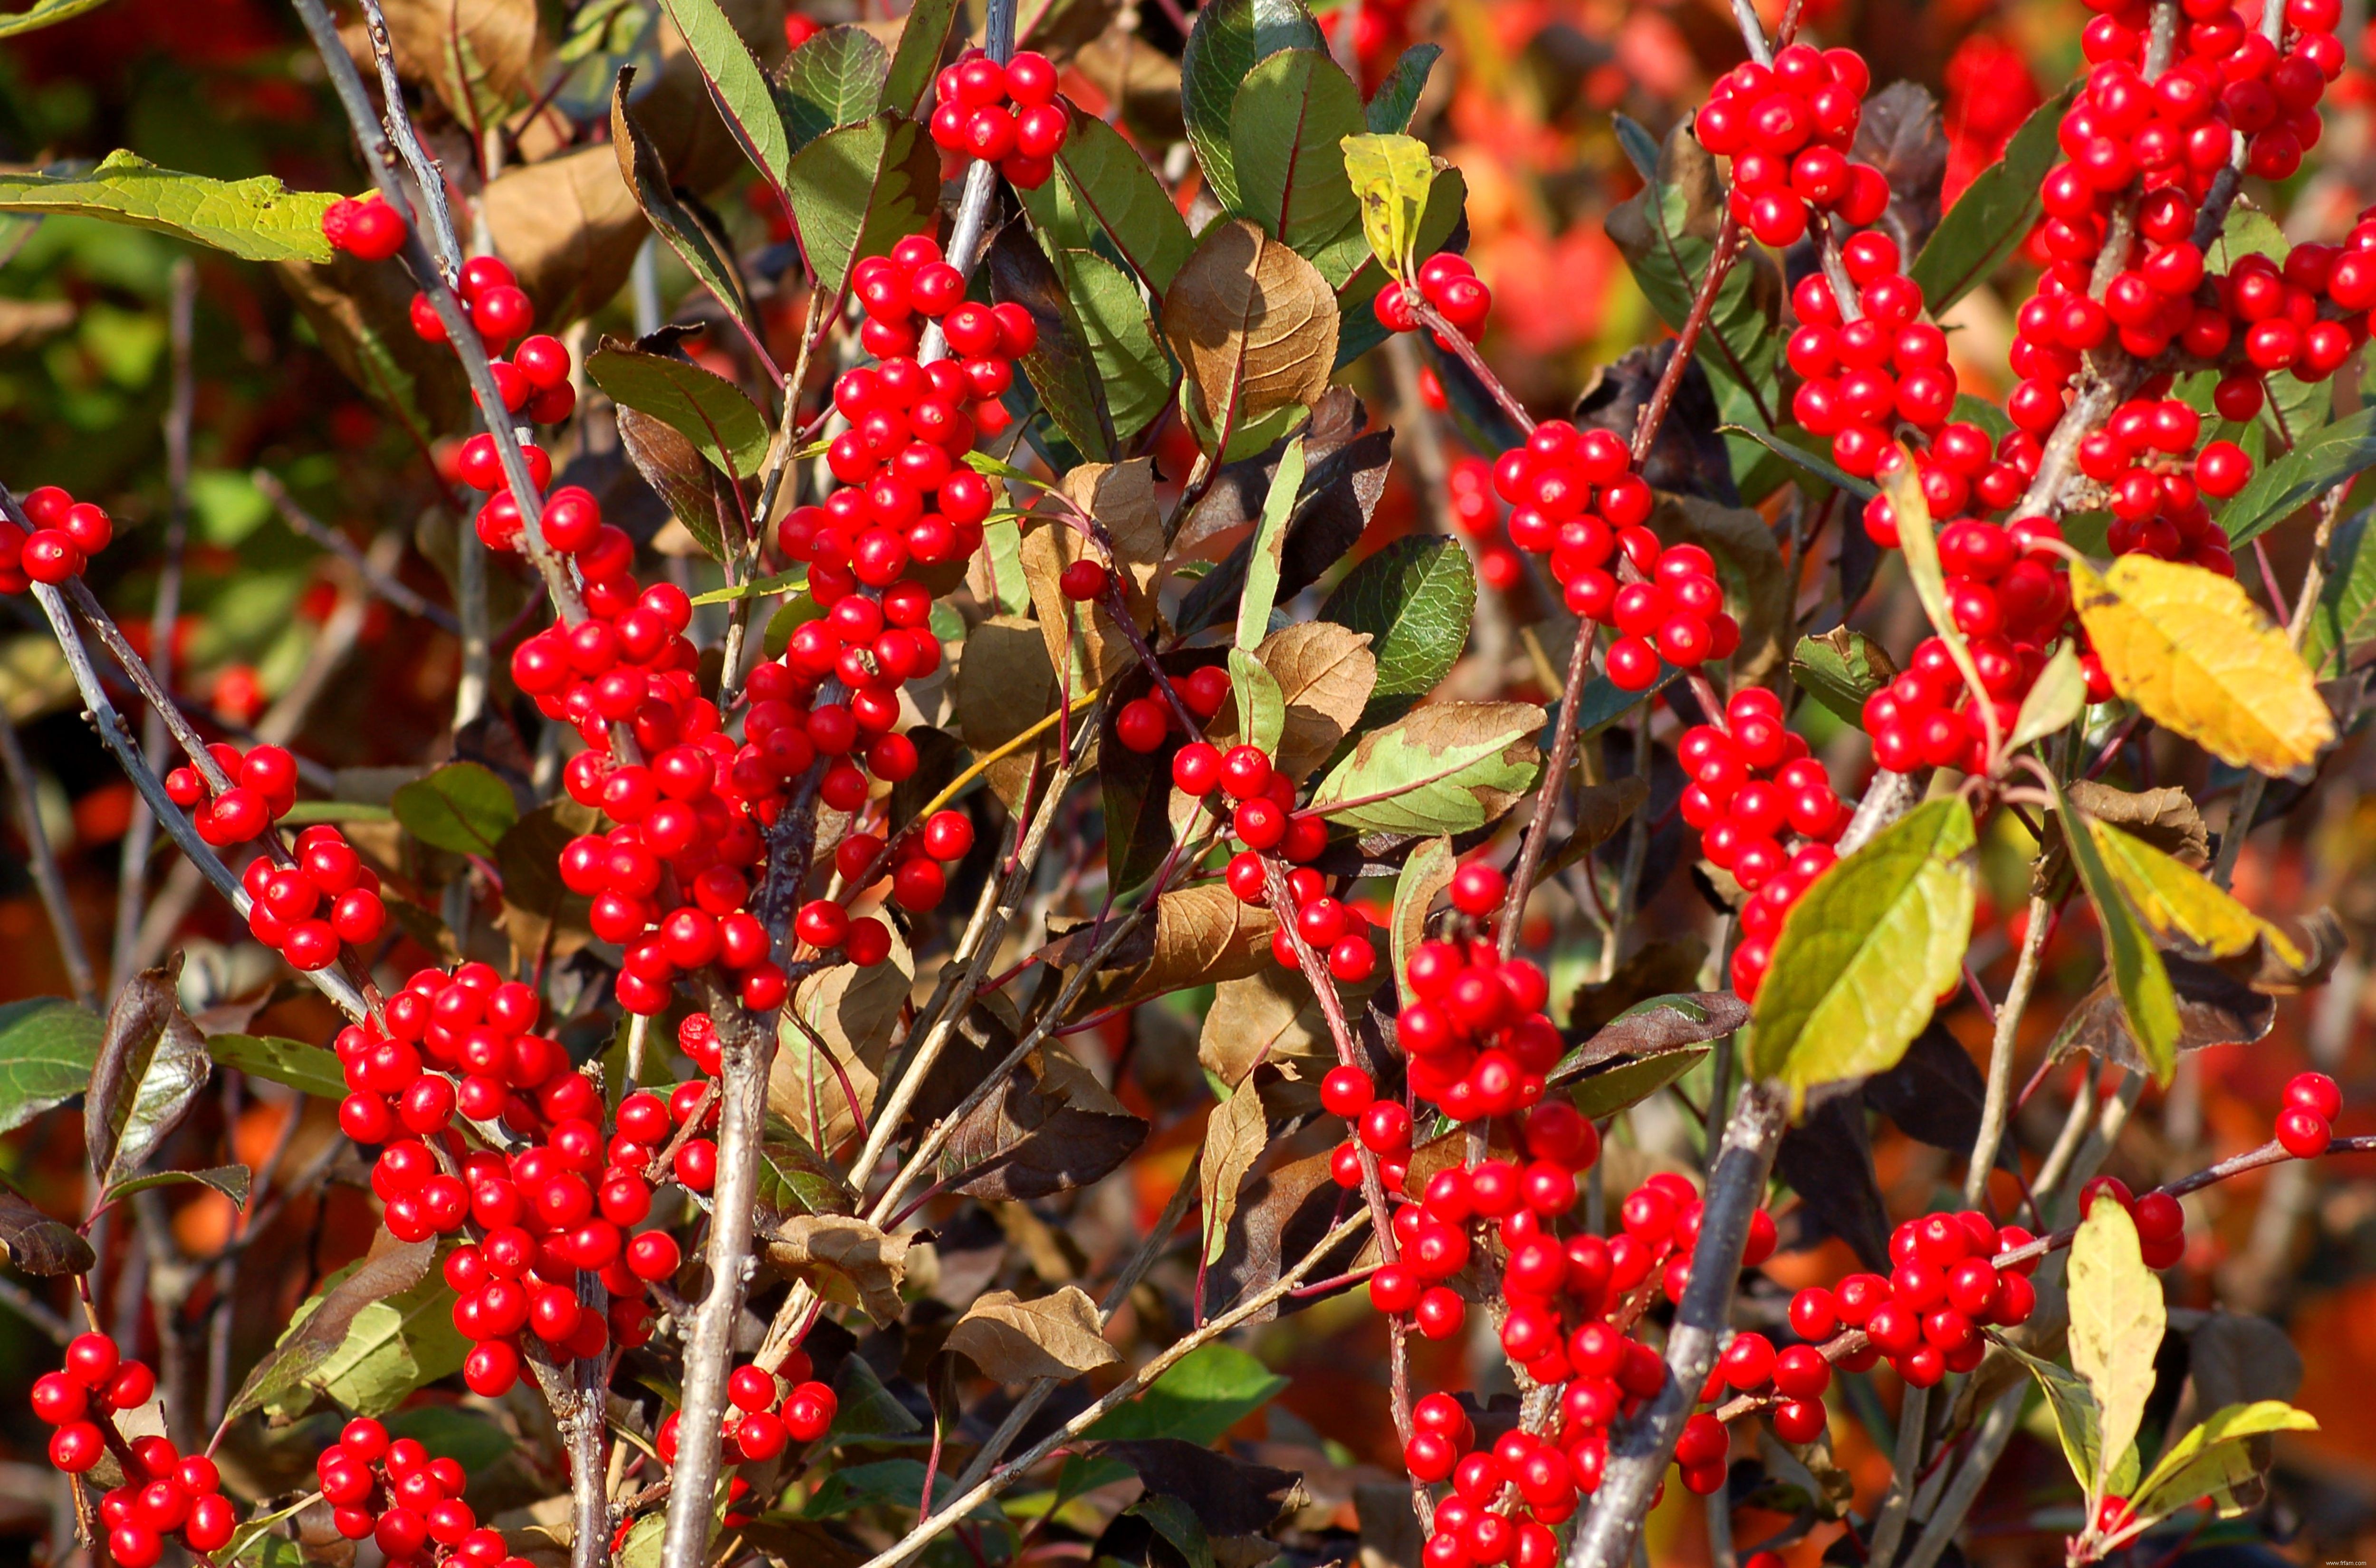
1687	456
1934	1093
1600	810
1284	1213
1005	685
2164	818
845	1259
1013	1340
360	312
1228	1496
1202	935
1253	322
1325	673
1662	968
1900	135
1049	546
479	56
2214	1008
852	1011
1659	1024
2235	1359
1235	1134
569	228
39	1245
1269	1019
1049	1128
708	254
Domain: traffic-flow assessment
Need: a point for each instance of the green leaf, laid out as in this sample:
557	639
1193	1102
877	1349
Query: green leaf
1261	592
1059	370
858	190
1198	1400
2345	618
2138	973
879	1483
1865	951
1667	233
835	79
257	218
1293	114
740	88
304	814
2215	1458
374	1331
1391	176
700	405
1134	373
793	1178
293	1063
1262	707
1840	669
1621	1084
2321	461
48	1047
1416	599
1995	213
1106	197
922	40
1806	457
1397	99
2059	698
2117	1319
461	807
1231	38
865	1412
2078	1423
45	13
230	1181
470	1438
706	254
1427	873
1444	767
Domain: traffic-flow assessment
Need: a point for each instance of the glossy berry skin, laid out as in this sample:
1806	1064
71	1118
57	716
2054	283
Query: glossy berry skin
2304	1133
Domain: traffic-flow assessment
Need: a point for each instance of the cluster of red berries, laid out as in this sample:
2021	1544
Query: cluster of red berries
1506	1499
464	1041
305	910
1003	115
761	1422
1752	782
1926	1315
263	790
917	862
1451	286
1573	494
1265	820
2161	1224
66	534
2305	1125
1787	128
2155	493
410	1505
163	1492
364	227
1478	1042
1863	377
499	309
1142	724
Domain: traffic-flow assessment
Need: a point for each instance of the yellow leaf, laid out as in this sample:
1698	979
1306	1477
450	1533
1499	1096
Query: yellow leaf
2189	647
1391	175
2175	899
2117	1319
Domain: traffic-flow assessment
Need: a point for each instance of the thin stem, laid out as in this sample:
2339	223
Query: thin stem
55	899
1434	320
1995	1107
307	526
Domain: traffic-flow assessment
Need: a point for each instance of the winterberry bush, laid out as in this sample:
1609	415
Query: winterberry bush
892	746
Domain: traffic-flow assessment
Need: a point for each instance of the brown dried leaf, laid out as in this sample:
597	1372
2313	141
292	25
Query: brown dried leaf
479	56
1121	497
853	1011
1899	134
1201	936
39	1245
1285	1209
1050	546
1235	1136
1600	810
2235	1359
1255	324
1687	456
1269	1019
1325	673
569	228
2164	818
1051	1128
2214	1008
1005	685
1229	1496
1013	1340
846	1259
